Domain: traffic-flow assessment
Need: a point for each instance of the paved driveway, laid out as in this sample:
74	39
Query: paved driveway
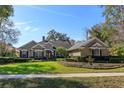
61	75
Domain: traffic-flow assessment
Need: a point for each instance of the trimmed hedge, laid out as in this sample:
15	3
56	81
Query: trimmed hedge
7	60
22	60
109	59
116	59
99	59
76	59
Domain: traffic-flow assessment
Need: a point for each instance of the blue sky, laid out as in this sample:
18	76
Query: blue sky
35	21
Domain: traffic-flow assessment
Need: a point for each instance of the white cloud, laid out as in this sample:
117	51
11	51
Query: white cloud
23	23
27	28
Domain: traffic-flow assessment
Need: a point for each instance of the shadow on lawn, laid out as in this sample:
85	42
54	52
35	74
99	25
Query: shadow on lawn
40	83
26	69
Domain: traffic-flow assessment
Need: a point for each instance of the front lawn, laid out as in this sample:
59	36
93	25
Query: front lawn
85	82
46	67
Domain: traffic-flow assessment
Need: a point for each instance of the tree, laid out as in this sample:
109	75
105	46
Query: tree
6	11
104	32
8	33
51	35
114	15
112	30
117	51
54	35
62	51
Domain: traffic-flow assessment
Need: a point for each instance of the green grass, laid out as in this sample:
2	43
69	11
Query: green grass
85	82
60	59
46	67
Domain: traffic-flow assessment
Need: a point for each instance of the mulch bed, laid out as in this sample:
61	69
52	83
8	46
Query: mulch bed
93	66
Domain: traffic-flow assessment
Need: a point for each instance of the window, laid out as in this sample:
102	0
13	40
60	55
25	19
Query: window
96	52
24	54
39	54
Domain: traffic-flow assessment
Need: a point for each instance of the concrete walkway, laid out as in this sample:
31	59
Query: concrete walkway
61	75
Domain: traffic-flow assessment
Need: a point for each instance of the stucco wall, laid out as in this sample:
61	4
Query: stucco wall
85	52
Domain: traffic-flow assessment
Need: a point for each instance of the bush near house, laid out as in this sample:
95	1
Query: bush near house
7	60
116	59
98	59
71	59
109	59
76	59
61	52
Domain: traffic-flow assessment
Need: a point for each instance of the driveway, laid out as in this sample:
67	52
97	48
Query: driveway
61	75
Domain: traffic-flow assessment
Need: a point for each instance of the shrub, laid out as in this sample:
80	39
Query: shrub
98	59
116	59
61	52
6	60
81	59
16	60
90	60
71	59
109	59
101	59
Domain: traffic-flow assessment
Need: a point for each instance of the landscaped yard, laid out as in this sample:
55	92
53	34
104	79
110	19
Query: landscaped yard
85	82
46	67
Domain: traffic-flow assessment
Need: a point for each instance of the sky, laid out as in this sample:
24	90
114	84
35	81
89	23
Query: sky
36	21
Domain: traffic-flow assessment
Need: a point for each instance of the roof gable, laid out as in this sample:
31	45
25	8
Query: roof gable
28	45
96	41
91	42
96	45
38	46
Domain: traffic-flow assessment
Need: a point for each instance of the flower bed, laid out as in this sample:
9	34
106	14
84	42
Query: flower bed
93	66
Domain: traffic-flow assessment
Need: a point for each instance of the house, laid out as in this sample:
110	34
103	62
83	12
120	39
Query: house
43	49
91	47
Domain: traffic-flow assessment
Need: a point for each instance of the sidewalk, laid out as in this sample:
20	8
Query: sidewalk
61	75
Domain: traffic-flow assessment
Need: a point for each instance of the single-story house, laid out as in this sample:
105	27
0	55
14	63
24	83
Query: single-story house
43	49
91	47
